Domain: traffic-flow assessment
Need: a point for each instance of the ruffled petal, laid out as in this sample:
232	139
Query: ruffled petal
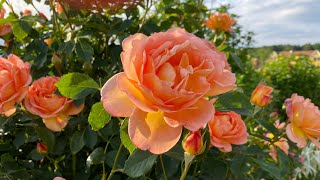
296	135
149	131
115	101
192	118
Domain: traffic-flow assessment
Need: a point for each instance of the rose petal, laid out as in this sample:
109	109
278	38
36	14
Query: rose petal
192	118
149	131
296	135
73	109
57	123
222	83
115	101
136	97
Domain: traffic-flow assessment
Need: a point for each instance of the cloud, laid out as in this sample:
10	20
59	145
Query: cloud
279	22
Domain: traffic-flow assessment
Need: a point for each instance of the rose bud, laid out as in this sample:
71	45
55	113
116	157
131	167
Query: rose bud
193	143
261	95
42	148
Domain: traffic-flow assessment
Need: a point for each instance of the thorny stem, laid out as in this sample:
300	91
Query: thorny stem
115	162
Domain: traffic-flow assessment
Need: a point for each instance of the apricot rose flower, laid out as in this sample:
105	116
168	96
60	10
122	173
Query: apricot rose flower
304	121
220	22
227	128
261	96
14	81
52	108
167	77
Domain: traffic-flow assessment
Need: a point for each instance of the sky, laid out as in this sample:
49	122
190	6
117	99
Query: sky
277	21
272	21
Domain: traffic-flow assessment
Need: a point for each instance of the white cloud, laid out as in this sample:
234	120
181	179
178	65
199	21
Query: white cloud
279	22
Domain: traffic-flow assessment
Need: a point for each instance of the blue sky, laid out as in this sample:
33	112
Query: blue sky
272	21
278	21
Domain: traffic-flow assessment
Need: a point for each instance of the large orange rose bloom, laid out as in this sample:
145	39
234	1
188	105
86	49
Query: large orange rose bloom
164	84
14	80
227	128
6	27
53	109
220	22
261	96
304	121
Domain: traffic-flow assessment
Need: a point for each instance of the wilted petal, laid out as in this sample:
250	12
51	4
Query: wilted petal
115	101
149	131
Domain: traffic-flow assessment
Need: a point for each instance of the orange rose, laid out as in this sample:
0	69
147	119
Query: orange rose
220	22
53	109
261	96
14	80
227	128
164	84
304	121
6	27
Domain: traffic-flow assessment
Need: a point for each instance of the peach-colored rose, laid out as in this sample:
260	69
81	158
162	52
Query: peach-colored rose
304	121
164	84
53	109
261	96
193	143
220	22
6	27
227	128
14	80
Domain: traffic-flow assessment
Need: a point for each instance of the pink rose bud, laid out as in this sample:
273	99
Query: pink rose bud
193	143
261	96
42	148
26	12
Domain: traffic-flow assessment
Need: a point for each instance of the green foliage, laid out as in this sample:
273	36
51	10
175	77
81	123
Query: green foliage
98	116
291	75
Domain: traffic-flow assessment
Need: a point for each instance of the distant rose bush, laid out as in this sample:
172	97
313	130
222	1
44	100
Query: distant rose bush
164	84
14	80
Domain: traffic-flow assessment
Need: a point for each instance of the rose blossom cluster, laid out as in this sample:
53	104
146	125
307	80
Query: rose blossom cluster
165	86
39	98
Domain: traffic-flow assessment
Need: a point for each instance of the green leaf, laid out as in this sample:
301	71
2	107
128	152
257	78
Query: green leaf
90	138
19	139
47	137
139	163
77	142
96	157
98	116
84	50
18	31
125	139
272	169
76	85
213	169
235	101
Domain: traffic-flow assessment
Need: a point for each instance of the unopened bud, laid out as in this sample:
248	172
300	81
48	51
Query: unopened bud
48	41
42	148
193	143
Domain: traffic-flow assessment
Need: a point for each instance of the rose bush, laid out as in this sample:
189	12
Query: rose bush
139	89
